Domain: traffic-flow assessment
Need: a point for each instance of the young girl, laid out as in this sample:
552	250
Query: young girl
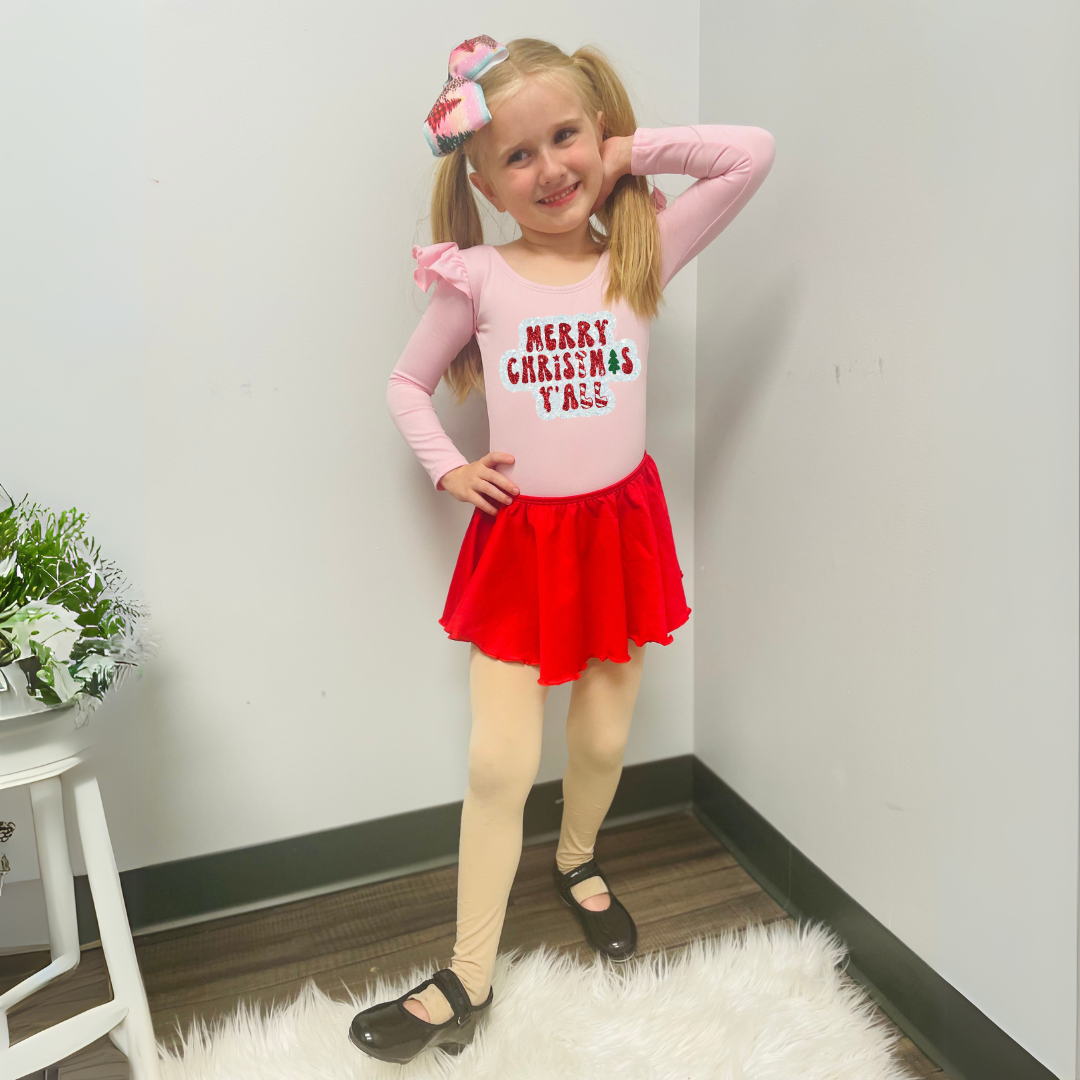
568	566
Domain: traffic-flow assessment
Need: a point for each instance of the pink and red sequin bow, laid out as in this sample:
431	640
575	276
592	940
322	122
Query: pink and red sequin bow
460	109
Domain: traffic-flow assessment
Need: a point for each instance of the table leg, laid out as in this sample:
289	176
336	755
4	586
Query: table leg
135	1035
54	863
47	804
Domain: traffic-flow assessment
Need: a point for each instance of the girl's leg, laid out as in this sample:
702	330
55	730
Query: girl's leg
504	756
597	727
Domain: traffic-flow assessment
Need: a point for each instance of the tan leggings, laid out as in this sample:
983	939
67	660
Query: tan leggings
504	756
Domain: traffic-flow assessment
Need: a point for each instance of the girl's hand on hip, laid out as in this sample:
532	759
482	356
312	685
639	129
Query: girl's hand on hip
471	483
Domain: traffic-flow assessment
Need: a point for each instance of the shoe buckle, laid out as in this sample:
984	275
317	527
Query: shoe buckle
461	1020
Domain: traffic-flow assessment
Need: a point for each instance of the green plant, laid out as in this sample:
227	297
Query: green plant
63	613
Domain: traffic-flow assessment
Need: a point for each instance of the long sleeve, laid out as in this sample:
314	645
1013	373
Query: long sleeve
730	162
444	329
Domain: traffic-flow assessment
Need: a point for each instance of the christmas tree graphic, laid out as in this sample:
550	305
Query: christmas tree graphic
441	108
613	362
449	143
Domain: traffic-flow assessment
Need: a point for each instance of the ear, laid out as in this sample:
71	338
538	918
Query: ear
487	191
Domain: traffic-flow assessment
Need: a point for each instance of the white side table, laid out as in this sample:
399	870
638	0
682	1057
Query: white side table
37	745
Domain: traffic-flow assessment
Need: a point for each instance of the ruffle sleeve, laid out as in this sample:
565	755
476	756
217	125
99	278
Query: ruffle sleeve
447	324
441	261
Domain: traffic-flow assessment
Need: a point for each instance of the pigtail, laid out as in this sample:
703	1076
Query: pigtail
454	213
627	216
455	216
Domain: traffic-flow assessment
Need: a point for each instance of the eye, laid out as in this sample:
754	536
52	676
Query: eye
514	157
567	131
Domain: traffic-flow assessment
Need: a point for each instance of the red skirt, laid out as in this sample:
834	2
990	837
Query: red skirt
553	581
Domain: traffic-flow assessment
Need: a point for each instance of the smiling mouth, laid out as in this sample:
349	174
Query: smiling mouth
560	197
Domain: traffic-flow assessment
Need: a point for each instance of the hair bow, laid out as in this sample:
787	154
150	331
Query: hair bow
460	110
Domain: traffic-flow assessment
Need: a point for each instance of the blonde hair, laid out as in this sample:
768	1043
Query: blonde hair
627	217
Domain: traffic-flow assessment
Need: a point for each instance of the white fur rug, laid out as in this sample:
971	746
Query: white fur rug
767	1003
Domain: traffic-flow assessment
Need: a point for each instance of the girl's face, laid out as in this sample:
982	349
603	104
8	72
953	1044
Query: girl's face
539	157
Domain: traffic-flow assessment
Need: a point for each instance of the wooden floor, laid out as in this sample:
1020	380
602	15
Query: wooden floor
673	875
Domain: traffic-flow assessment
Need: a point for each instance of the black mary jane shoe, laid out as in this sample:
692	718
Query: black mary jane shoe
611	931
390	1032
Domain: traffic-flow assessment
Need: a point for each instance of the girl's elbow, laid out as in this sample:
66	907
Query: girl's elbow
764	151
397	395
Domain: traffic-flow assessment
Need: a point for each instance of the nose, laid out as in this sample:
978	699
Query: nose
551	169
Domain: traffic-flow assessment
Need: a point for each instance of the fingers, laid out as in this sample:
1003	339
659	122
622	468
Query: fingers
487	473
490	489
494	477
478	500
483	486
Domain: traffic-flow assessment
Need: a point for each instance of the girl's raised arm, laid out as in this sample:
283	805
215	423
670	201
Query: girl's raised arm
444	329
730	161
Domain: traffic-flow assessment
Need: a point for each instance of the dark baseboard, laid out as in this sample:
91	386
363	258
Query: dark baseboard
935	1016
200	887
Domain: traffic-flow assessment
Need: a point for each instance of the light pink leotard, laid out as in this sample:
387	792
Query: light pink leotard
564	372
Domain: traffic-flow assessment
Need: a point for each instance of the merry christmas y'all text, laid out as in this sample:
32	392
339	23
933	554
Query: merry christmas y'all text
566	363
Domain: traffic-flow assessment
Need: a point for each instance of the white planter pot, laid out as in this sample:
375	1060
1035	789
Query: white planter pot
34	736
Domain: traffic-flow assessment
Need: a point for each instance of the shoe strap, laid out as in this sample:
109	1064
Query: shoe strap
447	981
580	873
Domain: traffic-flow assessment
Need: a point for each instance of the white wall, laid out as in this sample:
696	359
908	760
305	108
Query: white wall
1009	465
210	289
71	314
886	500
